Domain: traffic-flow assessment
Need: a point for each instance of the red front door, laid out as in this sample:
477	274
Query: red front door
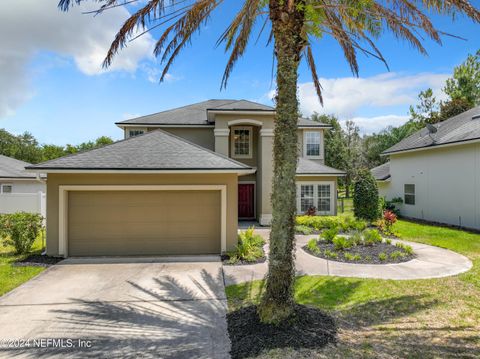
246	200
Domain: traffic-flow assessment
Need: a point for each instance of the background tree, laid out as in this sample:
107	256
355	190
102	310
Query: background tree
427	110
294	26
353	157
464	86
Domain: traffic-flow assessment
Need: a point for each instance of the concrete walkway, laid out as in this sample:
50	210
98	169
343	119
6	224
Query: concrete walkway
431	262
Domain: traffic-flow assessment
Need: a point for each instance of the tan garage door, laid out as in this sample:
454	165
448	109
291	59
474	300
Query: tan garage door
143	222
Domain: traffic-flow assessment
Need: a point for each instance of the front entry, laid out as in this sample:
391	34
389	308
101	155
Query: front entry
246	200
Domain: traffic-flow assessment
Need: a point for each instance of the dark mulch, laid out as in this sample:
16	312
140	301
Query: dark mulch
37	260
369	254
226	257
309	328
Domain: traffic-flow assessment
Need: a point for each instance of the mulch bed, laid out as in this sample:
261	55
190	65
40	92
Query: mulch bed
226	257
309	328
363	251
37	260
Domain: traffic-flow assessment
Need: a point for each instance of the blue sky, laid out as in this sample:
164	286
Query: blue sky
51	84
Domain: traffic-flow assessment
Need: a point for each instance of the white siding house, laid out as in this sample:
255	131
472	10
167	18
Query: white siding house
20	190
439	181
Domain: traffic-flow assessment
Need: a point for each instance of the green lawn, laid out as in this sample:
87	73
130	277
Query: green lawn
12	276
434	318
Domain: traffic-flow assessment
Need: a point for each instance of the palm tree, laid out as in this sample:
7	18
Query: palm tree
294	26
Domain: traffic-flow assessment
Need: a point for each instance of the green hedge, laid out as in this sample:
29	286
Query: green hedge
326	222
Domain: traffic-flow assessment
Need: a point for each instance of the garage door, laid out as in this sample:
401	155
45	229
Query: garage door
143	222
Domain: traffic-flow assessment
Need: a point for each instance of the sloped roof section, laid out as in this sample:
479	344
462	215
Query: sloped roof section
197	114
13	168
306	167
382	172
156	150
461	128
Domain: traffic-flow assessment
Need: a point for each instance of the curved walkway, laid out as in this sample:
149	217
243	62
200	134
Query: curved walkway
431	262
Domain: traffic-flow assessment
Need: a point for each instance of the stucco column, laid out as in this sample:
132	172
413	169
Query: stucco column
266	175
221	140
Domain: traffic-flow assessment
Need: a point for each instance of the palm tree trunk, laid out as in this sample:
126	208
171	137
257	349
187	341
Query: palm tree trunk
287	23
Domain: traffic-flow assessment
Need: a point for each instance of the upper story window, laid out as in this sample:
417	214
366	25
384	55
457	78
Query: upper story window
312	146
132	132
409	194
6	188
242	138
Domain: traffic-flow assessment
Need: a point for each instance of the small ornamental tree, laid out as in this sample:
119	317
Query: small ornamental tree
20	230
365	197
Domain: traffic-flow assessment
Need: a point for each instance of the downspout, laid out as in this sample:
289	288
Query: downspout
39	179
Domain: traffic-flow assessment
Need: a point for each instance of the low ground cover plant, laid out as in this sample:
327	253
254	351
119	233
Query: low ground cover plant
302	229
249	248
367	246
318	223
20	230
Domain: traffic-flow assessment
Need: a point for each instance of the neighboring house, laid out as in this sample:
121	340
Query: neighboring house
179	182
20	190
436	171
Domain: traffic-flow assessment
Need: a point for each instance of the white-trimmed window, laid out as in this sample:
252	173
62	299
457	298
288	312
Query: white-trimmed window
242	139
312	146
315	194
409	194
132	132
6	188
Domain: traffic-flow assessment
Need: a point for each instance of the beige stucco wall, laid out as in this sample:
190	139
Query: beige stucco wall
447	182
301	149
384	189
333	179
55	180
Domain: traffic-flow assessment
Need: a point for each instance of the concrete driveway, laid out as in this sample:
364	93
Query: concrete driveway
127	310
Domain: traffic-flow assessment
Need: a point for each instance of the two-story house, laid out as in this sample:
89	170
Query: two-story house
179	182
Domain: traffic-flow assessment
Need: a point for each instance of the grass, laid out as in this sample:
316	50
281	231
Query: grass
12	276
432	318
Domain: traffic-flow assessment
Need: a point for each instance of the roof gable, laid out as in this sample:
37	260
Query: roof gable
156	150
382	172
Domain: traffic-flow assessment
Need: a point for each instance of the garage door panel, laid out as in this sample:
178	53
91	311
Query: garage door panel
143	222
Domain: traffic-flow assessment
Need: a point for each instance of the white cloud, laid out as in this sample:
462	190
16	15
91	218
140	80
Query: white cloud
369	125
346	96
30	26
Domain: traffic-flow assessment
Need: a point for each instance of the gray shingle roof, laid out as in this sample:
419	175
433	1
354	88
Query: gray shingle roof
306	166
12	168
382	172
197	114
460	128
156	150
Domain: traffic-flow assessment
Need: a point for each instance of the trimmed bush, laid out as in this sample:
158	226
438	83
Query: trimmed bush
330	234
312	246
371	237
365	197
327	222
249	247
302	229
20	230
342	243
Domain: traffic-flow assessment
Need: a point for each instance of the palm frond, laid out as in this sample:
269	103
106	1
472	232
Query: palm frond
313	71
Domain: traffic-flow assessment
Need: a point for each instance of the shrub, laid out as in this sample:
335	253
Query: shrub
359	225
303	229
249	247
352	257
406	248
341	243
371	237
389	219
20	230
330	254
312	246
382	256
318	222
365	197
388	241
392	205
356	238
330	234
397	254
